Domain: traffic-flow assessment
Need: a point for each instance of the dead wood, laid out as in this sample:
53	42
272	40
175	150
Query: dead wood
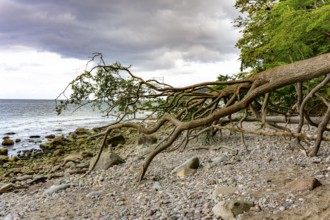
198	108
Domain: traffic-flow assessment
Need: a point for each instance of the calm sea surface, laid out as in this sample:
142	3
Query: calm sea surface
38	117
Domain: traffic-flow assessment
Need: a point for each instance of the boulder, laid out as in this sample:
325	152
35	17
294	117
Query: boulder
17	140
75	157
228	210
35	136
116	140
55	189
50	136
7	142
24	153
7	188
82	165
147	140
72	136
80	131
186	172
37	179
86	154
52	145
192	163
3	159
58	152
14	159
59	140
106	160
9	133
221	159
47	147
24	177
4	151
308	183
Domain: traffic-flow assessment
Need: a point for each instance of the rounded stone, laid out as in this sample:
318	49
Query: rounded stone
7	142
4	151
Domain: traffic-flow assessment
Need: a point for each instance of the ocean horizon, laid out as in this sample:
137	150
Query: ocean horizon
38	117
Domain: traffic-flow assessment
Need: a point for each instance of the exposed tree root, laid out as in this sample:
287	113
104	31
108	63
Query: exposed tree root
202	108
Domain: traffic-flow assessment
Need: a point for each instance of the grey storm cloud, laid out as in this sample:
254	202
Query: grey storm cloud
145	32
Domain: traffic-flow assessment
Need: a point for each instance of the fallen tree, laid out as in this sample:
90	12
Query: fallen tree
202	108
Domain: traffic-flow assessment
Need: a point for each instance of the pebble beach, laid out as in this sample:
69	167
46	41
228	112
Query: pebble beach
273	180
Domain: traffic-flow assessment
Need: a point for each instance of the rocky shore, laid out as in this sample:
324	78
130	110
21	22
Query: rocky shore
211	179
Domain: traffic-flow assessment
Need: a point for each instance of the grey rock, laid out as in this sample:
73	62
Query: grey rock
192	163
3	159
7	142
228	210
185	171
106	160
309	183
82	165
6	188
50	136
17	140
147	140
25	177
221	159
9	133
95	194
9	217
81	131
55	189
116	140
4	151
55	168
156	186
37	179
70	164
75	157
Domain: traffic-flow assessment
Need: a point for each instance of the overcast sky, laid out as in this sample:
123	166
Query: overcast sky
45	43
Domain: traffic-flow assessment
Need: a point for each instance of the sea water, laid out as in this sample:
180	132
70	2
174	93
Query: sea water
38	117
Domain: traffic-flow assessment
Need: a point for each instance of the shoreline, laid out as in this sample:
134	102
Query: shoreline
262	177
31	139
28	118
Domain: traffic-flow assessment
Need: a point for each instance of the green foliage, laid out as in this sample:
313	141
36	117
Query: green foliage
223	78
285	96
104	88
115	91
281	32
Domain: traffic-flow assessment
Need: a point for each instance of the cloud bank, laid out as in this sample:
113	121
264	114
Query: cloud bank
156	35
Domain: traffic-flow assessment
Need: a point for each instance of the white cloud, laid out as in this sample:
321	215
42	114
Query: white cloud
28	73
183	41
187	73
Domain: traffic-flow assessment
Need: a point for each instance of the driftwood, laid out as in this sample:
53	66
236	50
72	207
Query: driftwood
193	110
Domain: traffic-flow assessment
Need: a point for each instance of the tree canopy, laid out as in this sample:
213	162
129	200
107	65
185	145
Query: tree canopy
282	32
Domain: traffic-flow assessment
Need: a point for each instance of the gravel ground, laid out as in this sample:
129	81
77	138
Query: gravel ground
260	176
